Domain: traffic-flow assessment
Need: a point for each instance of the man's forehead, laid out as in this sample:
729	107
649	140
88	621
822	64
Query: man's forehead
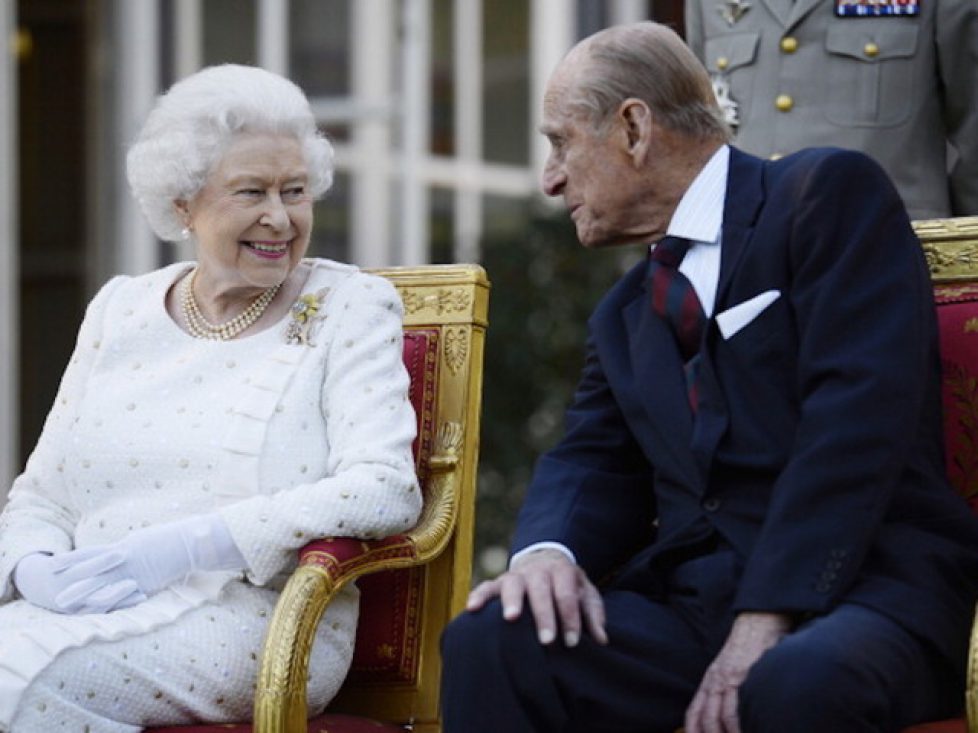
552	108
550	122
555	100
563	82
569	68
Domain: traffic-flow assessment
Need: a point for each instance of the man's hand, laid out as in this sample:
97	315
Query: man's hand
714	707
558	591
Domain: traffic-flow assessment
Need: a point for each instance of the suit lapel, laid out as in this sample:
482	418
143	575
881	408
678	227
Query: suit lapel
659	382
656	366
744	196
743	200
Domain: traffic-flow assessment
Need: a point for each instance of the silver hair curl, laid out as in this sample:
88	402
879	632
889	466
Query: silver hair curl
192	124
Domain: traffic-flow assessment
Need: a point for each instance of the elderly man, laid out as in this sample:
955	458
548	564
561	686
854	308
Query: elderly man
746	526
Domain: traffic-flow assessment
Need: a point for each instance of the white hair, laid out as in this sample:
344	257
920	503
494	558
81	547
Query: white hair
649	61
192	124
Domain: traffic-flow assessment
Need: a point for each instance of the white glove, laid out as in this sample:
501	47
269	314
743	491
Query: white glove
159	556
75	582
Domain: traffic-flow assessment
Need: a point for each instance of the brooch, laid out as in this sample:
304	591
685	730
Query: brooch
306	316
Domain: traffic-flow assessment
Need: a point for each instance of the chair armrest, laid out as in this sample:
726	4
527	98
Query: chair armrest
971	689
327	565
344	558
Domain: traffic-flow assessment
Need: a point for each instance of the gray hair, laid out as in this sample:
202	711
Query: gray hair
648	61
192	124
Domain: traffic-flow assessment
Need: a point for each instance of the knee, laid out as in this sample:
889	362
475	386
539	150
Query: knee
799	688
481	634
465	632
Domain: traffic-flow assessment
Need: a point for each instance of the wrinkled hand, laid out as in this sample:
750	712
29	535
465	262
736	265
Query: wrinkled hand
559	593
75	582
714	707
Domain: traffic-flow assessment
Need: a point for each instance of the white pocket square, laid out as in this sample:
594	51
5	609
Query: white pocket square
735	318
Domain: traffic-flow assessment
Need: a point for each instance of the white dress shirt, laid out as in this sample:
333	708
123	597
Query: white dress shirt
699	218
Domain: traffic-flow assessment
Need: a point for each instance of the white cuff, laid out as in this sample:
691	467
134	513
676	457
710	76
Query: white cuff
543	546
210	544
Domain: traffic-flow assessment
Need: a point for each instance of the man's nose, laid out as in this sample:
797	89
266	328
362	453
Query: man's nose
553	179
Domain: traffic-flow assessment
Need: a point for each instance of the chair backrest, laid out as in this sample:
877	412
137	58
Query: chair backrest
396	665
951	249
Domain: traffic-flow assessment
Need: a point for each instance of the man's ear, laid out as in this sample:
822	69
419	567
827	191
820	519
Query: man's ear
636	119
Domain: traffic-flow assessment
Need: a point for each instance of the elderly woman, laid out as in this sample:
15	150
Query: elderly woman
215	416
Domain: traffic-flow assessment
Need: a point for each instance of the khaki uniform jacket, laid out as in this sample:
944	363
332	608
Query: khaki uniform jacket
903	89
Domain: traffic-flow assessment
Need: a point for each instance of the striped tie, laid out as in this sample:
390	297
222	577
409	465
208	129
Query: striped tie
674	298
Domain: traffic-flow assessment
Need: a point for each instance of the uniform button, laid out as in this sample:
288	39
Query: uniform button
823	587
711	504
722	62
775	156
784	103
871	49
789	44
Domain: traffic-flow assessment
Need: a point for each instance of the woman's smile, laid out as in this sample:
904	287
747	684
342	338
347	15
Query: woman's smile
269	250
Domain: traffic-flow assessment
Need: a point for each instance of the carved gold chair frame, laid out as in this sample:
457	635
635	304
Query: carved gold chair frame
450	303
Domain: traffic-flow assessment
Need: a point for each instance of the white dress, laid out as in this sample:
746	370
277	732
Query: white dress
289	434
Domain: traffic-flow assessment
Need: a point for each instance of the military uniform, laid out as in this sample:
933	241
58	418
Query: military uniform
897	79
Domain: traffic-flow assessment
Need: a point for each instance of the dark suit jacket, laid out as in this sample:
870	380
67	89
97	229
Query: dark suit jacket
816	451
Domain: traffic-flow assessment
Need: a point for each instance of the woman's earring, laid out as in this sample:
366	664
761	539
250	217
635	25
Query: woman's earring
185	233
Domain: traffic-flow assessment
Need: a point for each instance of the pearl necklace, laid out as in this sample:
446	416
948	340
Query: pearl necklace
201	328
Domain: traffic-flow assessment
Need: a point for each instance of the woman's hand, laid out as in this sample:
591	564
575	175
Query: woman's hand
154	558
107	577
157	557
77	582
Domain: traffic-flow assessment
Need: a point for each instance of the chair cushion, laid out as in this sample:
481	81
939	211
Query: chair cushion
957	312
957	316
321	724
420	356
387	631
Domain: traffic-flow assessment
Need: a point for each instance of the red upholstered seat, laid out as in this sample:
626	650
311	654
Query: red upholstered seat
957	308
417	581
951	248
